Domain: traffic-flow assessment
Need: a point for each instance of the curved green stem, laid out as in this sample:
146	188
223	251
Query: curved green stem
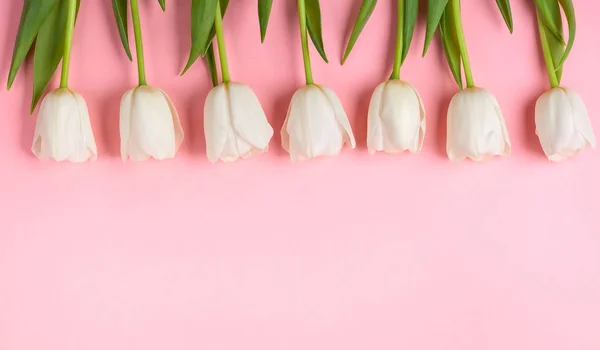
547	53
139	46
399	41
304	37
460	35
221	45
66	61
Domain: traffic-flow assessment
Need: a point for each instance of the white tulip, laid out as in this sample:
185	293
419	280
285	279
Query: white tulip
396	120
476	127
562	124
316	124
149	125
235	125
63	130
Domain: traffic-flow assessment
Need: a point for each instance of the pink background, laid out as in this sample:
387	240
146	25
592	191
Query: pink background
350	252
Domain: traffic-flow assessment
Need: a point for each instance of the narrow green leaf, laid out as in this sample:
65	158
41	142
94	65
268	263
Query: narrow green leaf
32	17
504	6
435	9
313	20
411	11
49	48
567	6
211	62
121	16
450	43
224	4
366	9
264	12
162	4
203	18
545	8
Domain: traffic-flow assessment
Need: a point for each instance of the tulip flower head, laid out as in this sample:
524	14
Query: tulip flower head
63	131
316	124
476	127
149	125
235	125
562	124
396	121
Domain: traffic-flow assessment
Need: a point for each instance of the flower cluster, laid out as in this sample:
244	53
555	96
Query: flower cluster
316	125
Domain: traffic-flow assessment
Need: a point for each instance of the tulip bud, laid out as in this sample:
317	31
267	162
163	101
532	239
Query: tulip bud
562	124
235	125
396	118
63	130
316	124
149	125
476	128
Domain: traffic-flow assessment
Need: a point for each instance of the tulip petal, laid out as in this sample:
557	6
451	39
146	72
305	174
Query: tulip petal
296	127
249	119
285	137
423	129
340	115
374	122
178	129
216	120
125	123
456	150
89	142
548	111
500	117
581	118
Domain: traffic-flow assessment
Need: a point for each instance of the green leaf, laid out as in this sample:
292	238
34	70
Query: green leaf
32	17
567	6
120	12
203	18
504	6
545	8
411	11
211	62
224	4
450	43
435	9
162	4
264	12
313	19
366	9
49	48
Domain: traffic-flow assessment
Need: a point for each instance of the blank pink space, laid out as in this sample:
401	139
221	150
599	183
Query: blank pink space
352	252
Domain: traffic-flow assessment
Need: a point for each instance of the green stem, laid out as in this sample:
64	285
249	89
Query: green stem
399	41
547	54
139	46
304	37
66	61
221	45
460	34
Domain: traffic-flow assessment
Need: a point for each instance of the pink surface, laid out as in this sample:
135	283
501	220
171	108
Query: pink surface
351	252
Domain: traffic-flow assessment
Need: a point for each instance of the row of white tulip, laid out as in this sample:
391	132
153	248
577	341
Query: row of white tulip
316	125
